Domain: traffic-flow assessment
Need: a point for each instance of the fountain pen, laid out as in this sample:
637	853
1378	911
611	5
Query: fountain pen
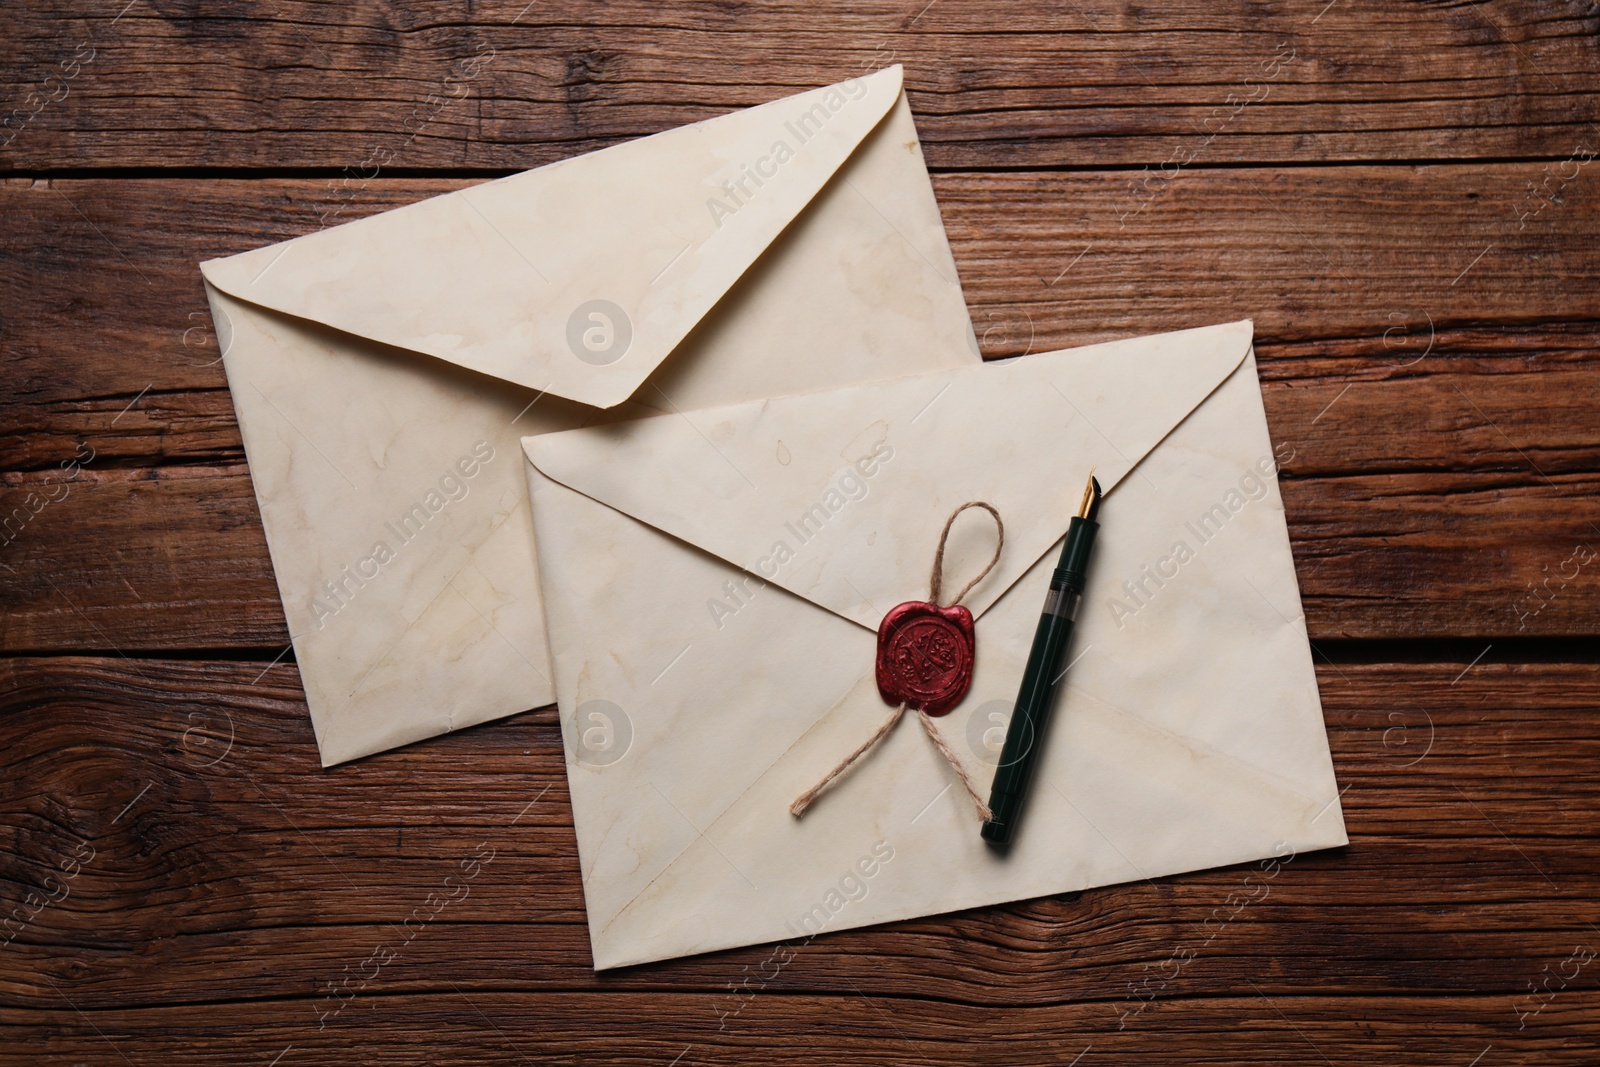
1043	673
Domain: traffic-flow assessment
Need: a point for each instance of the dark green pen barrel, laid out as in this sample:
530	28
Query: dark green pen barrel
1074	563
1033	701
1039	681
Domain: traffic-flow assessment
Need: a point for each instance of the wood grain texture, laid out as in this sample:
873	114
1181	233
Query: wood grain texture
498	1029
226	869
1439	402
104	300
1404	199
1487	555
664	1028
506	85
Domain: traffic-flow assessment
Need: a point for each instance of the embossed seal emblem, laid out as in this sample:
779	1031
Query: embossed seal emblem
925	656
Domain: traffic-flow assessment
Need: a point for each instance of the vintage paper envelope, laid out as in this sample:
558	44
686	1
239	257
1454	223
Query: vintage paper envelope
383	371
713	630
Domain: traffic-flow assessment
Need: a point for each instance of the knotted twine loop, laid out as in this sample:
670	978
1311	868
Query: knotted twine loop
936	579
935	587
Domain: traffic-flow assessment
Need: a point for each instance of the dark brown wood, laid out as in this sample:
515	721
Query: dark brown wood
1388	271
1438	401
1048	260
226	866
515	1030
1403	198
500	1029
1499	553
508	86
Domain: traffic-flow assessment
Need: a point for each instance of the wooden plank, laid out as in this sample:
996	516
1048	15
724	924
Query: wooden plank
507	86
1428	351
499	1029
1389	272
1424	358
215	842
175	558
1472	399
129	559
1445	555
1311	254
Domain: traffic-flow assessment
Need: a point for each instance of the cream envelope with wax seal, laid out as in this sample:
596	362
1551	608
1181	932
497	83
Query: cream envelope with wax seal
713	583
383	371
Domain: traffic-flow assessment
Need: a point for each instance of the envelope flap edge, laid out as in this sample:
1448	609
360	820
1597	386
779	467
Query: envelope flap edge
711	479
581	276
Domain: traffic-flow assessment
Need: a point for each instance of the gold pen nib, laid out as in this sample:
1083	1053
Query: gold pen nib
1091	498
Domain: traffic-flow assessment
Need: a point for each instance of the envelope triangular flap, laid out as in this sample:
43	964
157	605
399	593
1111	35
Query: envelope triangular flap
839	497
579	277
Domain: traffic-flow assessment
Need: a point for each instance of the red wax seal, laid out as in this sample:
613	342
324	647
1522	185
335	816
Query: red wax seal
925	656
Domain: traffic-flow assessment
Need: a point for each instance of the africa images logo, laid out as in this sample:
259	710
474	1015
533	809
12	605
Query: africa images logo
752	177
848	486
338	592
599	332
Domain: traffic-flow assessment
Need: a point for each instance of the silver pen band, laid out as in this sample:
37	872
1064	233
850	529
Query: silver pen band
1062	601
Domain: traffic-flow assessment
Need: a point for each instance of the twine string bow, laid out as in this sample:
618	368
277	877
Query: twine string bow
935	587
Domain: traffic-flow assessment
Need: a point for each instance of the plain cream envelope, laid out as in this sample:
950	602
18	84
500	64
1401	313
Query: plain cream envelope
384	370
714	582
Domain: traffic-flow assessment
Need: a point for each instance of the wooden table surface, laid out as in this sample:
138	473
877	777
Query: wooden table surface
1402	196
